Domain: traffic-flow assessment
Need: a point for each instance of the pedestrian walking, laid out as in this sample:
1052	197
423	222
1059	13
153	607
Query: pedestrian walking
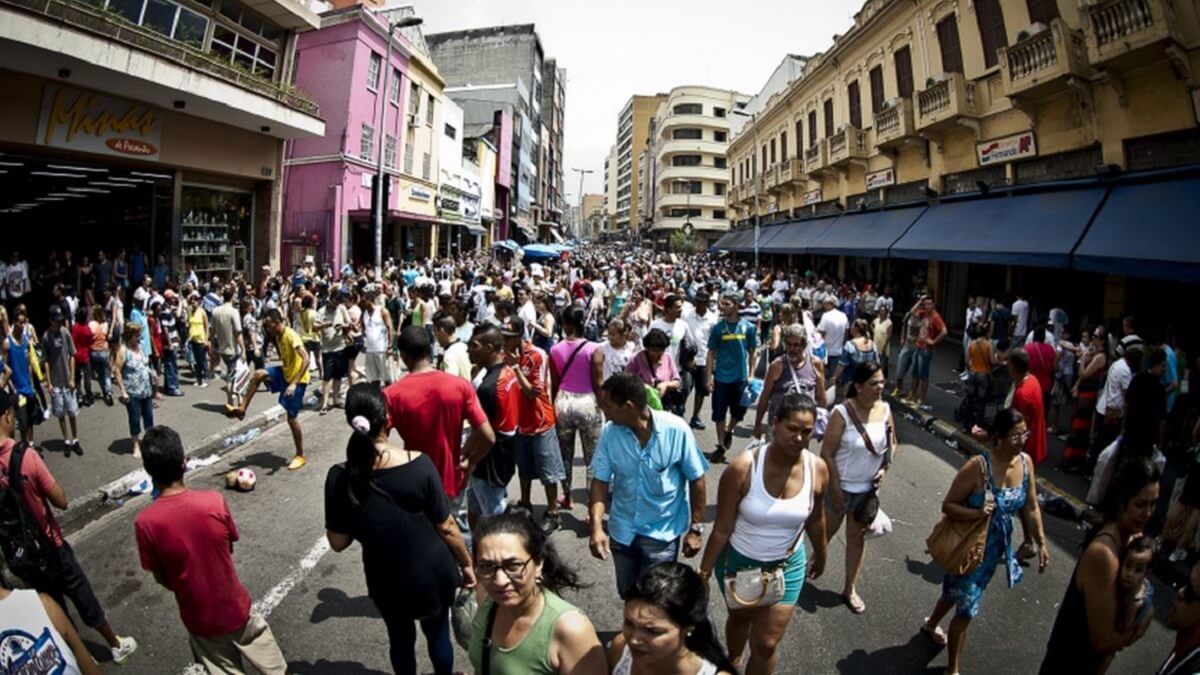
20	355
860	348
701	319
924	329
377	339
792	372
1093	364
197	327
500	398
768	499
881	331
732	346
1110	406
656	473
656	369
98	353
135	383
289	379
59	348
81	341
185	539
575	379
333	323
453	358
834	328
390	500
617	350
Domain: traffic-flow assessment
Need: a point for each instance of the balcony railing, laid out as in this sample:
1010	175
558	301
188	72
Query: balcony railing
945	102
1117	28
110	25
894	124
798	175
847	144
815	156
1043	60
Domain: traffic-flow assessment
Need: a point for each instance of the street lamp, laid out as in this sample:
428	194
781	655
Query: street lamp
754	128
384	93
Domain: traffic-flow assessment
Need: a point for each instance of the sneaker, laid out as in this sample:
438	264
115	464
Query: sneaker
204	384
174	392
77	448
297	462
716	456
697	424
121	654
551	522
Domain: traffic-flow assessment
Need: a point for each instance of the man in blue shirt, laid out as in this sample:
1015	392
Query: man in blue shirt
649	457
731	349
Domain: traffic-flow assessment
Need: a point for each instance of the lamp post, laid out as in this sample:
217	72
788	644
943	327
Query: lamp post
384	93
754	153
582	173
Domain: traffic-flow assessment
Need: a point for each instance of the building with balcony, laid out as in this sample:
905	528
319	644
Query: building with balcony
550	180
158	126
632	138
1010	106
686	166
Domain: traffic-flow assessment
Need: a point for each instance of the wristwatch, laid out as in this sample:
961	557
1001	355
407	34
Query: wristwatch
697	529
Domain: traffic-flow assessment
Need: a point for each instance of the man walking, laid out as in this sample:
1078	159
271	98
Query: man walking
60	357
168	309
731	347
185	539
833	327
683	343
499	396
923	330
454	358
700	318
1110	406
648	457
227	331
289	380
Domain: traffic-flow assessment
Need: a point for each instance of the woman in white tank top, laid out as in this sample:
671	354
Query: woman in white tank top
767	500
858	462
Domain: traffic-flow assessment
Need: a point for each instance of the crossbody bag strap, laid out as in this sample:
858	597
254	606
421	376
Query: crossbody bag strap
485	659
849	408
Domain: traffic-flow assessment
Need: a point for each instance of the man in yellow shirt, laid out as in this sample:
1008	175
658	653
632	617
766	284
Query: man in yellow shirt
289	380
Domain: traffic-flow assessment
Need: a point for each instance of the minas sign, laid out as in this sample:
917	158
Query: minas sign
89	122
1000	150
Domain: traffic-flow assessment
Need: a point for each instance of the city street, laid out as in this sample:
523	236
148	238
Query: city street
325	623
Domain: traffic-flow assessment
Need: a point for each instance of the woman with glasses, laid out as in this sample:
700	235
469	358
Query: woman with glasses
391	500
523	626
998	484
1087	632
859	445
1093	364
793	372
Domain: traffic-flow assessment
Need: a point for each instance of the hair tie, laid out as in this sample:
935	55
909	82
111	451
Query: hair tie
360	424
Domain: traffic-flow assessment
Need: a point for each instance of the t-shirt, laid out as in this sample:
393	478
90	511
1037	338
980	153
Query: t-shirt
922	326
578	380
882	335
701	326
1000	318
499	396
30	643
1115	385
187	538
537	413
666	371
59	349
678	331
428	410
291	353
1027	400
732	344
226	325
1020	310
36	484
833	326
81	337
333	336
456	360
1041	363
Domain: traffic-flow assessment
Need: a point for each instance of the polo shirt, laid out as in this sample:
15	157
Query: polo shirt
650	483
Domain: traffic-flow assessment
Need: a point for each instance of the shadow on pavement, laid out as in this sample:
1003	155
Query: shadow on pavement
207	406
911	657
269	462
813	598
325	666
121	446
333	602
924	569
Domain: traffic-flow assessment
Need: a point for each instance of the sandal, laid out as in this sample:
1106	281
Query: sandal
856	607
936	633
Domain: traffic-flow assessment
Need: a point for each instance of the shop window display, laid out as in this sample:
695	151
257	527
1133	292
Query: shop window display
216	230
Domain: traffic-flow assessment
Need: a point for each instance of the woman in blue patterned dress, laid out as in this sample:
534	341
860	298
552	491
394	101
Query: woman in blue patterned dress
1000	483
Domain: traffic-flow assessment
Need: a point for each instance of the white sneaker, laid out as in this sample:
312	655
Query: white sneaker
121	654
204	384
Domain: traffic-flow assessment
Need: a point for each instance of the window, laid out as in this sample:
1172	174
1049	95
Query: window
718	112
688	109
719	214
772	153
373	67
719	162
687	134
686	187
1042	11
161	16
991	29
947	32
366	142
394	87
718	189
685	160
414	99
855	98
904	74
799	138
389	152
783	153
812	128
720	136
764	157
876	77
753	166
685	213
426	166
243	51
429	104
828	117
451	132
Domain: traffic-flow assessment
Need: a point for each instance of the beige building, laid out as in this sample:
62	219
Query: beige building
632	137
610	191
686	172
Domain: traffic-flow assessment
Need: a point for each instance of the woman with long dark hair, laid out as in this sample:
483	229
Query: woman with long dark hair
523	626
391	500
667	630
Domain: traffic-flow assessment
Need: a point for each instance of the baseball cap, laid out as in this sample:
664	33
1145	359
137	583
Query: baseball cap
56	313
513	326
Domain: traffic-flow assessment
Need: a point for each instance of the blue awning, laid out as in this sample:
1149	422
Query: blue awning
1146	230
737	239
867	234
1031	229
723	243
796	237
765	234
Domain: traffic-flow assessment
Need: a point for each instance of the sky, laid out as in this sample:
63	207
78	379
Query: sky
613	49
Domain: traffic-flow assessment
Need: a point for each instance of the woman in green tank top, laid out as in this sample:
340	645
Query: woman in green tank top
523	627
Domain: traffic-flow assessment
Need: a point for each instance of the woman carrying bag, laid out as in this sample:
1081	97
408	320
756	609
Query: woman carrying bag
996	485
767	500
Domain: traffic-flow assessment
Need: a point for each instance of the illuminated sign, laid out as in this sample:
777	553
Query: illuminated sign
81	120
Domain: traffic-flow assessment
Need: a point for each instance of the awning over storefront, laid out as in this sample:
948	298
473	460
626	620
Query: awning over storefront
866	234
765	235
475	229
1146	230
722	244
1029	229
797	236
733	240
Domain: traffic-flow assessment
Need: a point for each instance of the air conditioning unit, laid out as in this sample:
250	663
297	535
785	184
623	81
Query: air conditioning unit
935	79
1033	29
892	102
412	119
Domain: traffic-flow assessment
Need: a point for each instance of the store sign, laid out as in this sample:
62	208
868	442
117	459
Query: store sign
419	194
881	178
81	120
1000	150
812	197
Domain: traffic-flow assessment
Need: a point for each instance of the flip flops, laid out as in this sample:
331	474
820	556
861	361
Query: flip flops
936	633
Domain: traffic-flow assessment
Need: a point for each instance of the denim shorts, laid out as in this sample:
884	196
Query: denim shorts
922	359
538	457
63	402
485	499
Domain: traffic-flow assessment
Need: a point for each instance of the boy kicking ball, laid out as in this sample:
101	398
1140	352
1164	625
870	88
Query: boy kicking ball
289	380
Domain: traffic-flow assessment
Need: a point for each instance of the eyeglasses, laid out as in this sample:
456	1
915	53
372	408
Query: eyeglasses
1020	436
513	569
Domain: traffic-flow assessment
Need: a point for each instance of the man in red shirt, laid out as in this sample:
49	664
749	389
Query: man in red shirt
537	439
500	397
428	408
1026	398
1043	362
185	539
41	491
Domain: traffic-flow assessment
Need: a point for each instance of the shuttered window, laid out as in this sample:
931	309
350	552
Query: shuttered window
947	32
876	89
1042	11
904	73
828	117
991	29
855	98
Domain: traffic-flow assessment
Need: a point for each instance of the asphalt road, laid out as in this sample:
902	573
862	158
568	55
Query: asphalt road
325	623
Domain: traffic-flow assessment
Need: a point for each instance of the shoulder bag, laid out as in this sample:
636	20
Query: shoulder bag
957	546
567	367
868	507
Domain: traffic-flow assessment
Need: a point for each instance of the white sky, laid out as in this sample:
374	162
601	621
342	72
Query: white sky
613	49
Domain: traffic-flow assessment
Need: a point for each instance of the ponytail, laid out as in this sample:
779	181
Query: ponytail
862	373
366	411
702	641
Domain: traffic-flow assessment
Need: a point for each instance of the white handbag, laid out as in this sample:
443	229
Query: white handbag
756	587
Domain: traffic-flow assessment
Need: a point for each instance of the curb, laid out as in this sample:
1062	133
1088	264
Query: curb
956	438
96	504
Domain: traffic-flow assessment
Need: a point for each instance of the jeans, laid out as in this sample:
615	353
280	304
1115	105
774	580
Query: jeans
83	380
638	556
977	391
402	638
100	368
141	414
907	356
200	356
170	371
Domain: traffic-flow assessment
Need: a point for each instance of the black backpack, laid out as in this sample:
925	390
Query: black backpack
27	550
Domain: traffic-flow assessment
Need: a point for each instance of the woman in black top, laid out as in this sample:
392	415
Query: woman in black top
1086	636
391	500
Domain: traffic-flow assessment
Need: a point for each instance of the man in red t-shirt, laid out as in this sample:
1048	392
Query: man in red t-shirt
1026	399
41	491
428	408
537	440
500	397
185	539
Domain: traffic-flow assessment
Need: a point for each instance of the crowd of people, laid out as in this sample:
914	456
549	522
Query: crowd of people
489	368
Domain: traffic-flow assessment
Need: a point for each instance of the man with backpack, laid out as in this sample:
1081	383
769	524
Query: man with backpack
31	539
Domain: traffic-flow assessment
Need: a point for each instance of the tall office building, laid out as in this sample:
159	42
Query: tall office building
632	136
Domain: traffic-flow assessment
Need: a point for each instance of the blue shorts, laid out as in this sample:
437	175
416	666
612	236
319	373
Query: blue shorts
726	399
922	359
795	567
538	457
485	499
277	385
